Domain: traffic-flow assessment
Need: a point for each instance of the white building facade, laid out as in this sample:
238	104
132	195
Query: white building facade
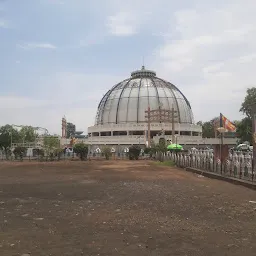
120	119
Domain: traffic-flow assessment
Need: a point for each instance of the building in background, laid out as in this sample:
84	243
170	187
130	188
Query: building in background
70	136
120	119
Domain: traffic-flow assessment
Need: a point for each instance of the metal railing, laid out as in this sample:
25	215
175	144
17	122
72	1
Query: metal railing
237	165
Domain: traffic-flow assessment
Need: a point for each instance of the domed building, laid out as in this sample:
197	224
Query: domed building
121	115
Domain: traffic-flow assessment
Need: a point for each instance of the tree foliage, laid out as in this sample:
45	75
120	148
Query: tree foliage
208	130
134	152
244	127
8	135
249	99
82	150
27	134
51	143
161	146
19	152
107	152
244	130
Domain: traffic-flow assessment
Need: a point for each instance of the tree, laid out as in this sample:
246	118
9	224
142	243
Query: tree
19	152
8	135
244	130
27	134
134	152
208	128
244	127
249	99
82	150
51	143
107	152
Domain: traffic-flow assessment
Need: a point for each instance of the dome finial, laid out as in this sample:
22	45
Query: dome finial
143	65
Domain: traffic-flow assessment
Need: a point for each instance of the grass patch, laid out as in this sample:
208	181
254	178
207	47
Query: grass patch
166	163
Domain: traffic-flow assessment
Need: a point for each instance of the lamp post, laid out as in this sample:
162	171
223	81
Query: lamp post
221	130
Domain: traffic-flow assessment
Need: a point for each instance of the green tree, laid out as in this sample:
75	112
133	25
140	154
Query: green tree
134	152
51	143
58	152
19	152
244	127
27	134
244	130
249	99
208	130
8	135
82	150
162	146
106	152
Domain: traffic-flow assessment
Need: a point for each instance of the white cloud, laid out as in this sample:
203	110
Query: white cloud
128	18
75	95
247	58
14	102
3	24
123	24
212	58
28	46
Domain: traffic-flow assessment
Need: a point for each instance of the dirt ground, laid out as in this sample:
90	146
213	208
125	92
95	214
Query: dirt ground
121	208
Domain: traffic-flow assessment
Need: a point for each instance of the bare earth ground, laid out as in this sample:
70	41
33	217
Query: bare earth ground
121	208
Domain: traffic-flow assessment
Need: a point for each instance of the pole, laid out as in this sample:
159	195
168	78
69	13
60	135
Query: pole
221	145
149	137
173	128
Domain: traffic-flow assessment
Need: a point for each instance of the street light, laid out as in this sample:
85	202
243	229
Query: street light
221	130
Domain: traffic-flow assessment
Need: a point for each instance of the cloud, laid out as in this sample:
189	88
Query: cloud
75	95
3	24
128	19
123	24
17	102
28	46
211	57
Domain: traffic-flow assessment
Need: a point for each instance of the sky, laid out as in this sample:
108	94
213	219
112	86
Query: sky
59	57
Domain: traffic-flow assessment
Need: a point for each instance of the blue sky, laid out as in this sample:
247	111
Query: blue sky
58	57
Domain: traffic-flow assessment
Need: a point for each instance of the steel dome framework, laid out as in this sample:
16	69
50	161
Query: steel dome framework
127	101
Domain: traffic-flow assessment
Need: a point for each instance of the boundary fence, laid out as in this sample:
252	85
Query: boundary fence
237	165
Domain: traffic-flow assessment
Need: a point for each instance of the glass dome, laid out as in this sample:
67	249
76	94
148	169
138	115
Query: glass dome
127	101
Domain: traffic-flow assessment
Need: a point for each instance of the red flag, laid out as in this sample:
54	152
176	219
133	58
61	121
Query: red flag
227	124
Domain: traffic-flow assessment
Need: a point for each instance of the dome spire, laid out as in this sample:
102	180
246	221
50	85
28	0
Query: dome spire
143	73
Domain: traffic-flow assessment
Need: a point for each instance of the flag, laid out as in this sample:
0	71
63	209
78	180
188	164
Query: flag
227	124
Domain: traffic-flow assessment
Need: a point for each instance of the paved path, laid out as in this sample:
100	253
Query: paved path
121	208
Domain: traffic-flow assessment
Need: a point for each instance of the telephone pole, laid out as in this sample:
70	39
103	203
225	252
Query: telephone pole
173	123
159	116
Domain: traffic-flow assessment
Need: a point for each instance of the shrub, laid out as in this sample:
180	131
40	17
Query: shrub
106	152
134	152
147	150
19	152
82	150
